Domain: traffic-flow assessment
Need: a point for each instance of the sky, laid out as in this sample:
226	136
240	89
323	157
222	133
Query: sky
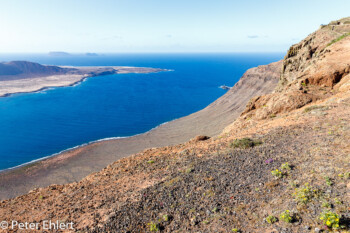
161	26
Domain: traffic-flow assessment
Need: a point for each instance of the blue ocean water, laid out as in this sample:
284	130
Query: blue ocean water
35	125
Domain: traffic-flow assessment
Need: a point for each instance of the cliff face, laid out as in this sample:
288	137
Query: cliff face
317	59
311	69
278	167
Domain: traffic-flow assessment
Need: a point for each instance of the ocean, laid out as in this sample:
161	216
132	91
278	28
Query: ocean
35	125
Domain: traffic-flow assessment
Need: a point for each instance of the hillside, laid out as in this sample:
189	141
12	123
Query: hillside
281	164
24	69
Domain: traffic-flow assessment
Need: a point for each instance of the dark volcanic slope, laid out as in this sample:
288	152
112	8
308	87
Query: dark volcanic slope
24	69
76	164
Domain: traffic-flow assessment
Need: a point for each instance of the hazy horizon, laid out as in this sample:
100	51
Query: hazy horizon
157	26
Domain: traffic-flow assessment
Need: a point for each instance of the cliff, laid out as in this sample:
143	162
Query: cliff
281	166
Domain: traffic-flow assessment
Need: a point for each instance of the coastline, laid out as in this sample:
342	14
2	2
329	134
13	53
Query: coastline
32	162
37	84
76	163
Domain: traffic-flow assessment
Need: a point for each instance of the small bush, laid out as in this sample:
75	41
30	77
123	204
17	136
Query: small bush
329	182
277	173
345	175
286	217
189	170
166	217
286	166
326	204
337	201
150	161
330	219
153	226
304	194
245	143
271	219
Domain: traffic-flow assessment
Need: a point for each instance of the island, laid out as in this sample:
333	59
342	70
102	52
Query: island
25	76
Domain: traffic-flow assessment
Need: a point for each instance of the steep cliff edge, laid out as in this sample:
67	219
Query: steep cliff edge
311	70
304	61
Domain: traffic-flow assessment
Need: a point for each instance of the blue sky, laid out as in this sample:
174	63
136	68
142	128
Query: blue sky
112	26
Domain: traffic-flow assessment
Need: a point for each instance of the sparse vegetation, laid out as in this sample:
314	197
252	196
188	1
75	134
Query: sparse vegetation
286	217
329	181
154	227
286	167
304	194
271	219
150	161
330	219
277	173
326	204
166	217
189	170
345	175
338	39
313	107
245	143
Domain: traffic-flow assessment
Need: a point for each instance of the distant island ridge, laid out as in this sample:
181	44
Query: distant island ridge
25	76
66	54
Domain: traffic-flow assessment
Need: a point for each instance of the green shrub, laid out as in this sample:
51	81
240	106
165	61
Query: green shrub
329	182
286	217
345	175
189	170
330	219
166	217
277	173
271	219
326	204
286	166
304	194
245	143
153	226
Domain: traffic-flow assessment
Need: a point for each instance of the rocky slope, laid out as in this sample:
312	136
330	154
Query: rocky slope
310	71
282	166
